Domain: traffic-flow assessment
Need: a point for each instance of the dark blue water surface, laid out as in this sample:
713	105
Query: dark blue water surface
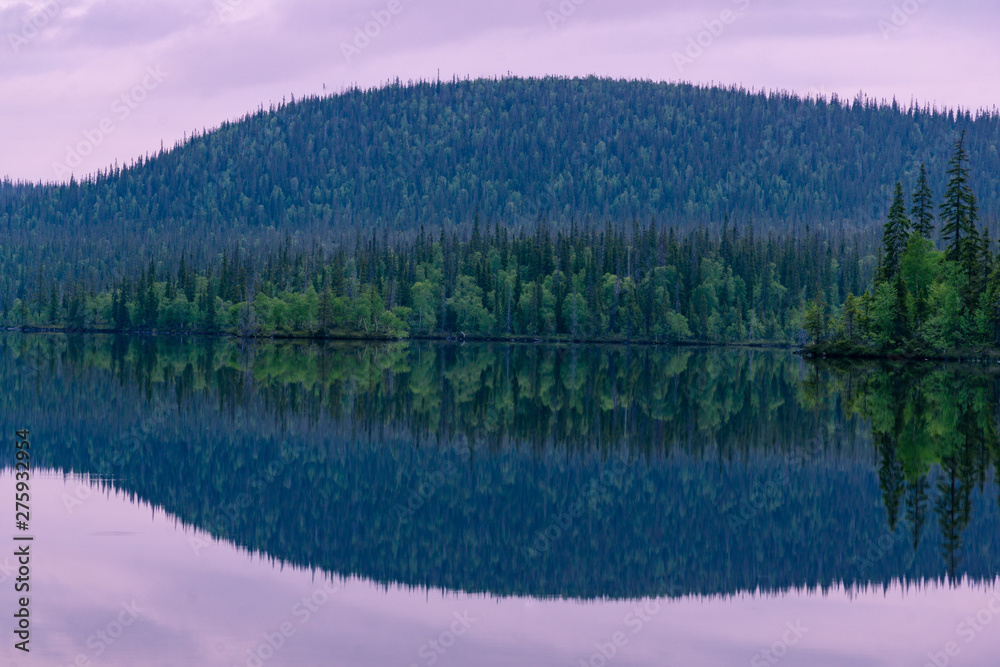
207	502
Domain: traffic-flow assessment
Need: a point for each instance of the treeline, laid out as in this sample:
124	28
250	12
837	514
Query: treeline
923	299
638	282
516	150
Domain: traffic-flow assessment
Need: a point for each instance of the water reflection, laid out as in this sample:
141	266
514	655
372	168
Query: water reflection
200	601
587	473
934	427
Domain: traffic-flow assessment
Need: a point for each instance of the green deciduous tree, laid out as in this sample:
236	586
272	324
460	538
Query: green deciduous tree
947	322
467	308
918	268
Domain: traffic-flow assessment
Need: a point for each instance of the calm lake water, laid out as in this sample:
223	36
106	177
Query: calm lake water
206	502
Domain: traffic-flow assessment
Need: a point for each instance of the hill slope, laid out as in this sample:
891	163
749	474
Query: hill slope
513	149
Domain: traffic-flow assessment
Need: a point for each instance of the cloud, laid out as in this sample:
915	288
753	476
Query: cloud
227	57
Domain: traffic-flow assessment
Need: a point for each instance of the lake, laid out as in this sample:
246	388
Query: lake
216	502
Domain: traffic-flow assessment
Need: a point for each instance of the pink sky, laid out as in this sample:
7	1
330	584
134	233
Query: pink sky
79	71
203	602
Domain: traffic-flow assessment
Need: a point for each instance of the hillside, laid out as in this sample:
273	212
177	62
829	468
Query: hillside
514	150
519	148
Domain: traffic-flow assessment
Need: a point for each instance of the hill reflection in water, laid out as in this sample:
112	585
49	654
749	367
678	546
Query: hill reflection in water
550	472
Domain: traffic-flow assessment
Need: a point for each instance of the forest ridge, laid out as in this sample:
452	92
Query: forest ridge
515	150
586	209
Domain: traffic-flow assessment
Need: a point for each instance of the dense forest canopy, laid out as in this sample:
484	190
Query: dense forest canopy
643	283
515	150
924	300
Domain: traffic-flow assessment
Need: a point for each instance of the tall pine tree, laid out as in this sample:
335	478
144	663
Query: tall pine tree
959	210
923	206
895	235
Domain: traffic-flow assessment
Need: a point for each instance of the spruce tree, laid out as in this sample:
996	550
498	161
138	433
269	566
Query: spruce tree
326	309
53	314
114	308
973	249
923	206
182	274
959	210
152	301
119	313
851	313
895	235
900	322
208	306
986	257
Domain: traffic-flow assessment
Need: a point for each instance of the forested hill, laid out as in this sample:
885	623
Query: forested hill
326	173
519	149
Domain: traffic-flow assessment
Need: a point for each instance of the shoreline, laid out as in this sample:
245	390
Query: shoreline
814	351
972	356
454	338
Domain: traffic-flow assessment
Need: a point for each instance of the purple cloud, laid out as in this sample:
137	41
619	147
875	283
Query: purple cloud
63	63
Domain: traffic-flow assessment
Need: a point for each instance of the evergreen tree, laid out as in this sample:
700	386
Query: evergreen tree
814	319
182	274
894	236
76	316
850	316
188	284
209	310
892	478
151	300
959	210
325	313
120	316
985	259
923	206
916	508
53	314
901	321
